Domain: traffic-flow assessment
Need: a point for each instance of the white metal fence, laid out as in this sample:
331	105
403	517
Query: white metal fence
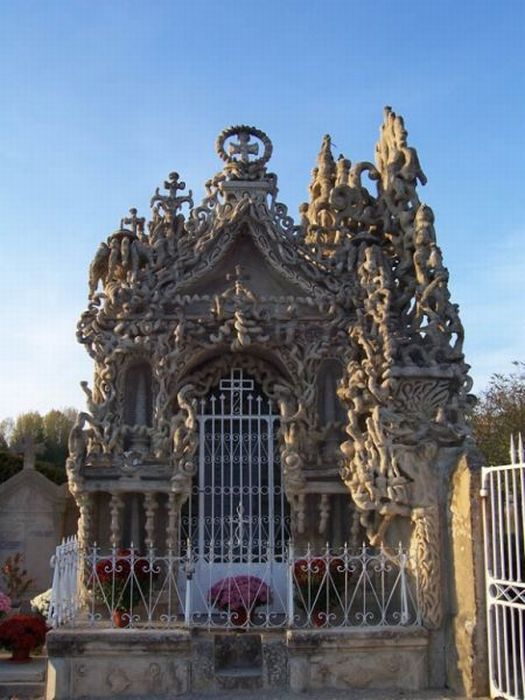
503	492
327	589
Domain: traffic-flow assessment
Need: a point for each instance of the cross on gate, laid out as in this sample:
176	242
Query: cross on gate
244	148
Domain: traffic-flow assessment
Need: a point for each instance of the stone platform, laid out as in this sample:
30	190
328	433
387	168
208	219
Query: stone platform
22	680
91	663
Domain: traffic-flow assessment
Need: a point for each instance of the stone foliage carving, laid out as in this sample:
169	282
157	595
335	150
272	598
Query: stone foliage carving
360	278
425	552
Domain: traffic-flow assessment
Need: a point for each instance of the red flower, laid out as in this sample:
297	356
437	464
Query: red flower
119	567
22	632
309	570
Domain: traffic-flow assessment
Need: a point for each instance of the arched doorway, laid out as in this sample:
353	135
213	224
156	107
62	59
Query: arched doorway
238	518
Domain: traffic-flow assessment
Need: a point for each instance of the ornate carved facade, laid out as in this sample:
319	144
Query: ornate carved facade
344	322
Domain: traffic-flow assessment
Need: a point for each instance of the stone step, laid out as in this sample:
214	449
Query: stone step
240	672
22	680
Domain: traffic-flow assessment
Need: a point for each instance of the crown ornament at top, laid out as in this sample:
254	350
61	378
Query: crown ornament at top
245	150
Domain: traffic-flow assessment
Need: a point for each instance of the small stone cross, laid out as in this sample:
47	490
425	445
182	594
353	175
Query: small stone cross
237	277
29	449
244	148
173	184
136	222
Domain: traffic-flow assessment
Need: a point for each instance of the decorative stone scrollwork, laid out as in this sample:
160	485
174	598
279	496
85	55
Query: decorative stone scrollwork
185	442
235	282
425	551
237	155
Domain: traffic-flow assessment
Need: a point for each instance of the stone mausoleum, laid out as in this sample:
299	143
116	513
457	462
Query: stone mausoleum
265	390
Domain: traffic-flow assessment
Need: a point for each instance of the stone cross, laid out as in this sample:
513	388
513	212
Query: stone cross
244	148
29	449
237	277
136	222
172	184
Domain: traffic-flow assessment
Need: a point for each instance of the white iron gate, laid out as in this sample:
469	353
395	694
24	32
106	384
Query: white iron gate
238	519
503	492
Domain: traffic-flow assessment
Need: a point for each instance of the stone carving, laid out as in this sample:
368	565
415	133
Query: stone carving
117	681
241	167
29	448
426	553
235	282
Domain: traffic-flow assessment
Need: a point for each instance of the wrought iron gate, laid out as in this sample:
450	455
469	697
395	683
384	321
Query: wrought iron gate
503	491
239	516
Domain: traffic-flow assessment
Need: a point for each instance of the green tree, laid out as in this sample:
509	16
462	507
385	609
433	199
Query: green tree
30	423
500	413
57	426
50	432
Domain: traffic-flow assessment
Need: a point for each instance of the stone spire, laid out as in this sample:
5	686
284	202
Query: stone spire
319	214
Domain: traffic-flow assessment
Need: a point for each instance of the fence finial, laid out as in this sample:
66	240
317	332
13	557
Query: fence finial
512	450
521	454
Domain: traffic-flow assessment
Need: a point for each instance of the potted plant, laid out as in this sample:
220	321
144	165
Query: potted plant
239	596
120	582
15	578
319	585
5	605
40	603
22	634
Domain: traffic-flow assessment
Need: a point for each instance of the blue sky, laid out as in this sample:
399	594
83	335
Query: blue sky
102	99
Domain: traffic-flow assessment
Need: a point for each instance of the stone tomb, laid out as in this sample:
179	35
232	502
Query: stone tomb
336	337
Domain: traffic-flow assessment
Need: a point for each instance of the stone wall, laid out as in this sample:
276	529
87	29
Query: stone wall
467	662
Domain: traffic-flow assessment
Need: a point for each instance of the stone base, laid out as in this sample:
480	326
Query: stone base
90	663
22	680
387	658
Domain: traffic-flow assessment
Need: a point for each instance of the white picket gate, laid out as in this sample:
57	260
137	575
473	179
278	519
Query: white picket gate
503	498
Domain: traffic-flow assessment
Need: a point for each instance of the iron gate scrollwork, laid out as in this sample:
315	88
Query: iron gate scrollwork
238	509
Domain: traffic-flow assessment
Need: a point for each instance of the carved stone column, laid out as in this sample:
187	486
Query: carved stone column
150	506
324	513
426	554
84	503
171	529
115	506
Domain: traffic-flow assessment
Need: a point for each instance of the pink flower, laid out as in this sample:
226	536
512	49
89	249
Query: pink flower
5	603
239	593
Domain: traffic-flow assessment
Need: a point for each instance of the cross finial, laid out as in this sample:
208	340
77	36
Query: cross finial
172	184
136	222
244	148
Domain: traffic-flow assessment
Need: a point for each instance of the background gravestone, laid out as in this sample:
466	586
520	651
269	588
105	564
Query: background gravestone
34	516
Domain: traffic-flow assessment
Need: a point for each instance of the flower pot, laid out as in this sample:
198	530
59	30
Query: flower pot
121	618
21	655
